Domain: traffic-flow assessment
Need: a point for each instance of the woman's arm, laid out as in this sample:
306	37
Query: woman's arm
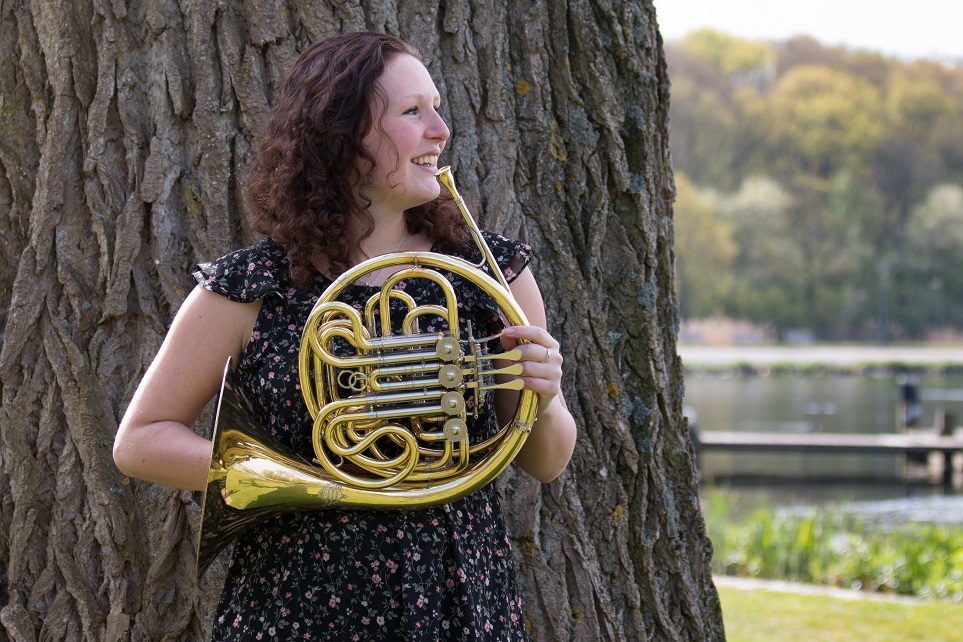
551	443
156	440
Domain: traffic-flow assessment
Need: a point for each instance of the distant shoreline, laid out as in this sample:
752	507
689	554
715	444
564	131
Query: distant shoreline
842	357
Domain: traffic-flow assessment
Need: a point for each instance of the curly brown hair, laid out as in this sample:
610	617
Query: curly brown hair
303	173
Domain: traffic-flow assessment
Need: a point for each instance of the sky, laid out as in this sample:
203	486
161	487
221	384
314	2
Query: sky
900	28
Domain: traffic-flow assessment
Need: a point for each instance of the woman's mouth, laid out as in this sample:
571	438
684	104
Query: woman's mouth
429	161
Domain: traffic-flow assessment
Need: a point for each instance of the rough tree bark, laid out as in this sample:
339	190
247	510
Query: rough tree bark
123	130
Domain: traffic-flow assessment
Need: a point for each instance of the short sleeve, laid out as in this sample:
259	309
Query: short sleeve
247	274
510	255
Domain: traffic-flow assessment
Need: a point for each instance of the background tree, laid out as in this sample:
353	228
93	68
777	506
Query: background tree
705	249
857	141
718	121
825	120
768	261
709	127
934	241
125	130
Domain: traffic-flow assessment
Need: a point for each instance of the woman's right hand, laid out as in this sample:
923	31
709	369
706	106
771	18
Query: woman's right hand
156	440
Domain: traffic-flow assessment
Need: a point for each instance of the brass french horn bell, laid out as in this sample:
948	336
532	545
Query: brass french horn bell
390	410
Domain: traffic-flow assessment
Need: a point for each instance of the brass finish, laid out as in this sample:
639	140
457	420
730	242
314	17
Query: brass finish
389	410
445	178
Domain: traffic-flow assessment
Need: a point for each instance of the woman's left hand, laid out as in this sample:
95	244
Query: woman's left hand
541	361
551	442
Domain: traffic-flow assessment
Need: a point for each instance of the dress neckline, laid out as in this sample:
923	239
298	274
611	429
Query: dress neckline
357	286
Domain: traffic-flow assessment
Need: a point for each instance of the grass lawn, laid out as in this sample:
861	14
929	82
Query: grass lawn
769	616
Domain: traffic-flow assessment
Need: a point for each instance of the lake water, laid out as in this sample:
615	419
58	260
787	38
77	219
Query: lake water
834	404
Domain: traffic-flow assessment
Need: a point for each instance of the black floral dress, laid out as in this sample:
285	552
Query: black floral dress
443	573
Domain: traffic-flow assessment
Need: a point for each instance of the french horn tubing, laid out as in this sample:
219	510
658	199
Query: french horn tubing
390	410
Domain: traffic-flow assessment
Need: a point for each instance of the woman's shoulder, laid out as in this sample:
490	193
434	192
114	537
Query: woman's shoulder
248	274
512	255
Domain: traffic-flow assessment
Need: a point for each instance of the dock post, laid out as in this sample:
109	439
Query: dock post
909	409
908	412
952	461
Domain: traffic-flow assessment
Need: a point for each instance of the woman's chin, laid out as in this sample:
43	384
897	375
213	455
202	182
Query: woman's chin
425	194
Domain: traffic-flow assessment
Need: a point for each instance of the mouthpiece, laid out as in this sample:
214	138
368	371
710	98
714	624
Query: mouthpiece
445	177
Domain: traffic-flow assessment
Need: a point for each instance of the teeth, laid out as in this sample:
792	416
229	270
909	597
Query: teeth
425	160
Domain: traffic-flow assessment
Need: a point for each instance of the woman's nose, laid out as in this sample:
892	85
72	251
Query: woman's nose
438	129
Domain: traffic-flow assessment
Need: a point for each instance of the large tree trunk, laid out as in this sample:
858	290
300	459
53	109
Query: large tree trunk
124	128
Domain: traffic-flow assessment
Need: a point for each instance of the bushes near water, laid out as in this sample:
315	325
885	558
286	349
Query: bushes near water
829	546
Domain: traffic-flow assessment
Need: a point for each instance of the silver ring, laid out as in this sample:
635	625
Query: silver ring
548	355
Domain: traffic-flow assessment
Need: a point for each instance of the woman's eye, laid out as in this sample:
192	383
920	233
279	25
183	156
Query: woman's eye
411	110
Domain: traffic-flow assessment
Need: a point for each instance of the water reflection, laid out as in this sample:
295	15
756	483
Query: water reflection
875	502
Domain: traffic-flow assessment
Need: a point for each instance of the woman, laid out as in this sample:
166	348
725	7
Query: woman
344	172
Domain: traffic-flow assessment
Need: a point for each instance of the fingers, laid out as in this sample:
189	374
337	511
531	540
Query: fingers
541	361
539	348
531	333
541	358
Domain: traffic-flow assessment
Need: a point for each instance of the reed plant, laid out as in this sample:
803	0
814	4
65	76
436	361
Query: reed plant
826	545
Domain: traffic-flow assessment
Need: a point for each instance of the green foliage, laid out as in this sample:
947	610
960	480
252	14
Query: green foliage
823	164
733	57
919	108
707	134
768	262
705	249
935	261
938	223
822	546
825	120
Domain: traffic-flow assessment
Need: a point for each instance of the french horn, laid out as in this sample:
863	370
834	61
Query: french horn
390	409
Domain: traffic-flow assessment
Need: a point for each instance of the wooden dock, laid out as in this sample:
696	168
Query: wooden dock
942	453
828	442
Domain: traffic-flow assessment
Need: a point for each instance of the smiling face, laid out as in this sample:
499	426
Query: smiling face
406	137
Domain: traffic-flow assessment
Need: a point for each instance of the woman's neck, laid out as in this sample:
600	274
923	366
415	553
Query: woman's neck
390	234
